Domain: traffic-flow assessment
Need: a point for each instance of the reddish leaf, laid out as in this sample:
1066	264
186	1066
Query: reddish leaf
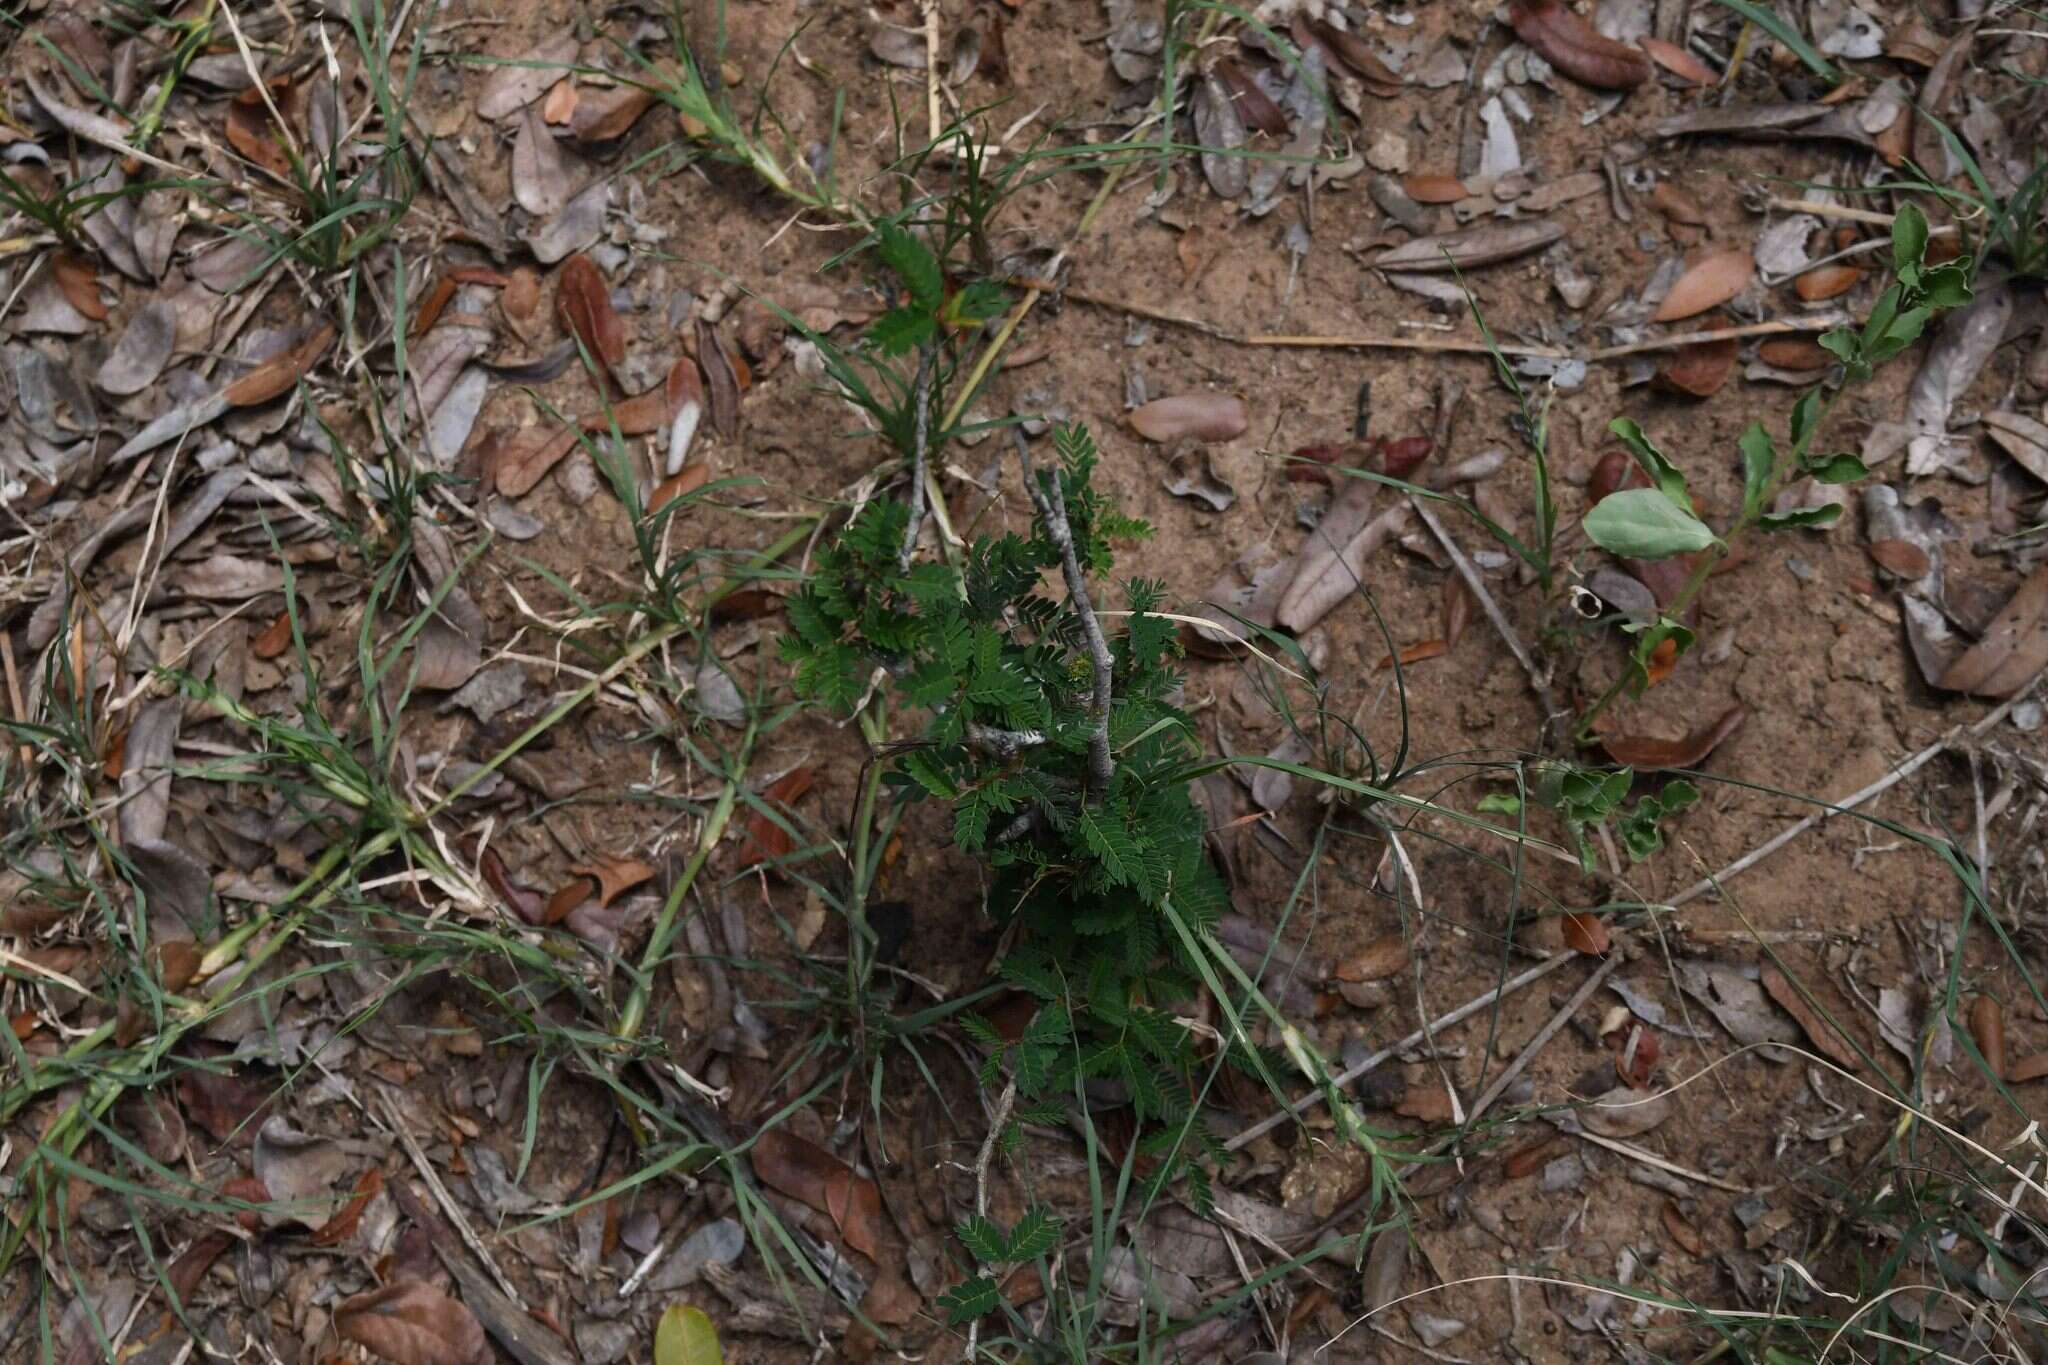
1434	189
521	299
413	1323
1616	470
80	285
1399	458
693	477
1794	353
1675	204
559	104
765	839
343	1224
521	899
803	1170
1826	281
615	876
1417	652
1987	1031
584	304
1663	661
604	115
1709	282
1901	557
192	1264
432	306
1254	105
274	639
1430	1104
1635	1054
1699	370
1527	1159
280	373
570	897
1677	61
1823	1034
252	132
1682	1232
1642	752
1199	416
1575	47
480	274
656	408
1586	934
247	1189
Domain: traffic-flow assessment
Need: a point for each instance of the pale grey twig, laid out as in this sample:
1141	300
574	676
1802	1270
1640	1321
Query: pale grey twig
1051	503
1001	1120
920	450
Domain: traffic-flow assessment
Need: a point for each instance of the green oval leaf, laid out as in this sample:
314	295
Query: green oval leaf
686	1337
1641	523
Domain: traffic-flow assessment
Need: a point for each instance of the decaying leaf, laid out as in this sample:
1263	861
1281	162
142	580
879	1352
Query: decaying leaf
1824	1035
518	82
280	373
1709	282
1642	752
803	1170
1683	1232
1586	933
1220	131
1735	1000
409	1322
1794	353
1677	61
767	841
1254	105
1625	1112
1379	959
604	115
584	304
1826	281
1700	369
1900	557
1575	47
1475	246
1987	1031
1962	346
1675	204
2021	437
2013	649
1193	416
725	379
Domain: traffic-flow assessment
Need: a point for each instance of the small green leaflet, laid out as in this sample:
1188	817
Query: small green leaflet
1111	842
1664	474
968	1300
984	1239
1824	515
1909	237
1759	463
901	330
913	263
1836	468
685	1336
1642	523
1036	1233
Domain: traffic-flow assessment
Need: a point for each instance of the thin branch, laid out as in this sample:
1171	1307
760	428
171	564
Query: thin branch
1000	743
1051	503
1001	1120
921	449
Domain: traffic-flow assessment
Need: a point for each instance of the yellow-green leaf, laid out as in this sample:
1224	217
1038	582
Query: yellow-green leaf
686	1337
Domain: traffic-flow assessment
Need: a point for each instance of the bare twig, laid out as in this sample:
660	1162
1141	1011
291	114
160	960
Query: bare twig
1370	343
449	1207
920	452
1000	743
997	1122
1380	1058
1819	322
1856	798
1543	1037
1051	503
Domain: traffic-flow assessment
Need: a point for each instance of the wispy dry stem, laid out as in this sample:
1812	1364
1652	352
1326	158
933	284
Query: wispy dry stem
1051	503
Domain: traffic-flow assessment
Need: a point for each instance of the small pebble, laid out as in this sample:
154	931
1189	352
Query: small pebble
1799	568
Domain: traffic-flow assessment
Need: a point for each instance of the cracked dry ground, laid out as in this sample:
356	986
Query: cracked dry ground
350	765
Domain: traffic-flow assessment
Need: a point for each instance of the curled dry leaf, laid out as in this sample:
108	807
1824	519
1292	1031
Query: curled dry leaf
280	373
1900	557
409	1322
1575	47
1434	189
1638	751
1824	1034
584	305
1700	369
1683	1232
681	484
2013	649
1827	281
274	639
766	840
1709	282
1677	61
526	458
1220	132
1475	246
1987	1031
1193	416
1586	933
1429	1103
803	1170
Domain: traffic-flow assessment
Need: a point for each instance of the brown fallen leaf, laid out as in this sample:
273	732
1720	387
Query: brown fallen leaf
1987	1031
1379	79
1429	1103
79	283
526	458
803	1170
274	638
615	876
606	115
1826	281
2028	1069
1457	608
1575	47
1901	557
1585	933
280	373
521	899
1823	1034
744	604
1637	751
1378	960
343	1224
1682	1232
1794	353
1193	416
1475	246
1615	471
765	840
1417	653
1400	457
1709	282
432	306
1635	1054
253	133
223	1104
558	107
1677	61
681	485
570	897
2013	649
726	377
584	305
1527	1159
1434	189
409	1322
1626	1112
1700	369
1254	105
1676	205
